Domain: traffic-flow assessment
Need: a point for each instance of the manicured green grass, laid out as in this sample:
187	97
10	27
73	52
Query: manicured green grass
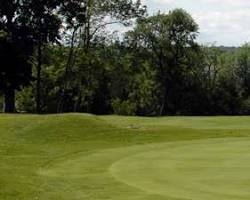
80	156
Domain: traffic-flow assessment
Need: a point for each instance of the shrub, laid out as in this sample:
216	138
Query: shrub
245	108
123	107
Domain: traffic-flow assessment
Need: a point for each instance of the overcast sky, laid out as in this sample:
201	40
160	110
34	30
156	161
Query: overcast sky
226	22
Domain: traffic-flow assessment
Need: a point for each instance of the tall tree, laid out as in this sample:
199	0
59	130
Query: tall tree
74	15
170	38
26	24
45	23
243	69
98	15
16	47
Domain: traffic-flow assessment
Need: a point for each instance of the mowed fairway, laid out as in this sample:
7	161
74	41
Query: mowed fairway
79	156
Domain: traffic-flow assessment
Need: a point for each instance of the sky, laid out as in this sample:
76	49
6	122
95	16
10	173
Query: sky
221	22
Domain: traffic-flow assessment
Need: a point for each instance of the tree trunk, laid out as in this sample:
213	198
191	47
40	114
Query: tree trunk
38	81
165	100
69	64
79	99
9	101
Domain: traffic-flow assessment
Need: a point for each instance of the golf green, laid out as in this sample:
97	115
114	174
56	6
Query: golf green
207	169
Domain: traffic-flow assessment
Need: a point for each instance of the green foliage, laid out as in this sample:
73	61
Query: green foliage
170	41
123	107
145	91
243	69
1	102
25	100
157	68
53	63
3	35
245	107
24	25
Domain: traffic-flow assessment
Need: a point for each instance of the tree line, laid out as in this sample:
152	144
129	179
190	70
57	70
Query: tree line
62	56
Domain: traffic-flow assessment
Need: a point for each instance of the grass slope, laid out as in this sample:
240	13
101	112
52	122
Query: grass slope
77	156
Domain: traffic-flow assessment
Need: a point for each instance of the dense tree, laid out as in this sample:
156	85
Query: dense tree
25	25
170	38
243	69
100	14
16	47
156	68
91	28
45	24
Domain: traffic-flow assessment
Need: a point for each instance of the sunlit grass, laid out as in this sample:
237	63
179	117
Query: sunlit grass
73	156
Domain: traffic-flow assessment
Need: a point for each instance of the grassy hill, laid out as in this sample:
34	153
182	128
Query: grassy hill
80	156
